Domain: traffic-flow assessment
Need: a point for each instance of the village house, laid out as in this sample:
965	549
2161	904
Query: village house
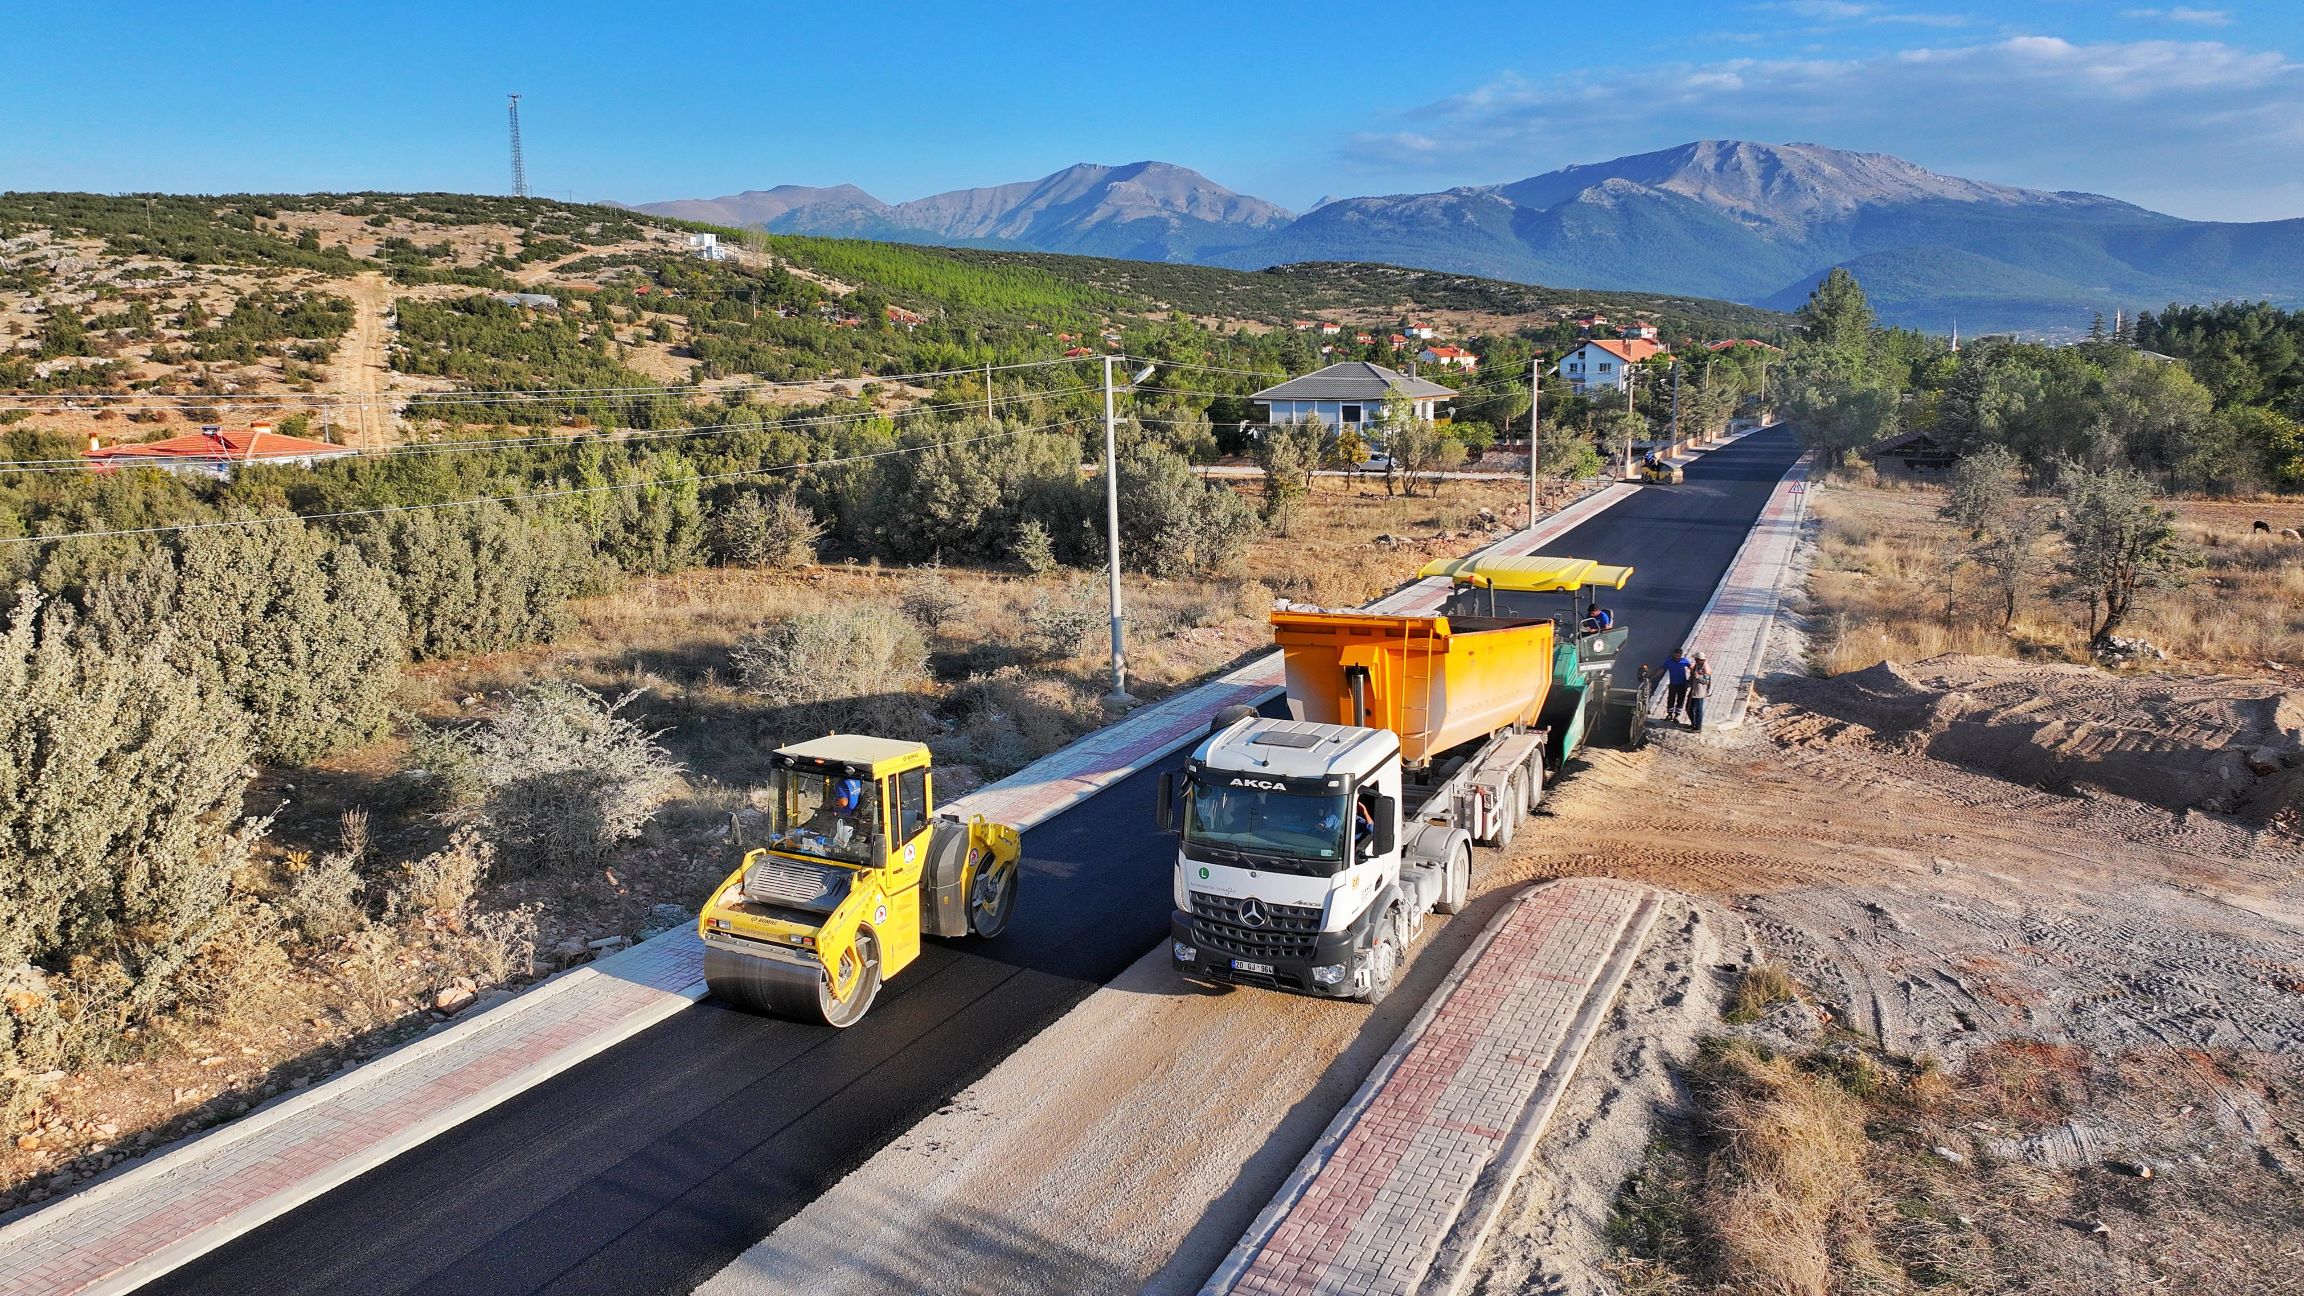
1330	329
1421	332
1601	363
1641	330
1452	356
213	451
1350	394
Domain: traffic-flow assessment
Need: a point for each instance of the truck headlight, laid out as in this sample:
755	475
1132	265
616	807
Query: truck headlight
1332	974
1186	954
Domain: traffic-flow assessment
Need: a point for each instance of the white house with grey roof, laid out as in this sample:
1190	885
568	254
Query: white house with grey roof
1350	394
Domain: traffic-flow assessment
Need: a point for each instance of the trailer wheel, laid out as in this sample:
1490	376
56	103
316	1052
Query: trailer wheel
1533	771
1456	888
1383	962
1507	813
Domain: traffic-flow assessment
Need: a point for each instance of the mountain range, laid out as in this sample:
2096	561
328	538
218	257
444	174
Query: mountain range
1145	211
1754	223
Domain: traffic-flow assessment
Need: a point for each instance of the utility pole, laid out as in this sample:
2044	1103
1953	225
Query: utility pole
1535	429
519	166
1119	695
987	393
1675	407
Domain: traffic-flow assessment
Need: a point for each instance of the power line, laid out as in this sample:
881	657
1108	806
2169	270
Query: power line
562	493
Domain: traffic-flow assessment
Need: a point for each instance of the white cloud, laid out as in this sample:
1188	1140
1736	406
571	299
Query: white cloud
2202	17
2200	128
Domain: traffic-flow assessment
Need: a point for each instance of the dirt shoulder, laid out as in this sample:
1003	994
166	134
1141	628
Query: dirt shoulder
2062	985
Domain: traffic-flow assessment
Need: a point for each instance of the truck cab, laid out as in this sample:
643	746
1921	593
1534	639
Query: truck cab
1289	868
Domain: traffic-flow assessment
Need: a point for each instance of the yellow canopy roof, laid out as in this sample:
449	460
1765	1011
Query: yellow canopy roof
1530	575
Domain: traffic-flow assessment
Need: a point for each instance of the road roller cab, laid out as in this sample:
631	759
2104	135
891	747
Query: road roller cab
856	868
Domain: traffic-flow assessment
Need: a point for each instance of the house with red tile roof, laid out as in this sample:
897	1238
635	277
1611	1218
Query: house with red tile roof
214	451
1603	362
1453	356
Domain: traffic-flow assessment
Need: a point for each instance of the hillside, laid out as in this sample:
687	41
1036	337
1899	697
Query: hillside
394	299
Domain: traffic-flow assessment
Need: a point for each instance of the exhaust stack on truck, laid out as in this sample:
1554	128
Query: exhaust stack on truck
1312	847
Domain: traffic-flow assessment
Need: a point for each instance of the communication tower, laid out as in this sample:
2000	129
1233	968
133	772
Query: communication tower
519	168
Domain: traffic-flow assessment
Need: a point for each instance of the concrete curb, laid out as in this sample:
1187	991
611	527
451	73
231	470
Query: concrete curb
23	1227
1486	1200
1462	1246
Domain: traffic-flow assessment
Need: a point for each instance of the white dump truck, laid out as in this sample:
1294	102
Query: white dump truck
1313	846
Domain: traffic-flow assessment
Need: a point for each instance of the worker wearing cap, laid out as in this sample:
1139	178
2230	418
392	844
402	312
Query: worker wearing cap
1676	683
1699	688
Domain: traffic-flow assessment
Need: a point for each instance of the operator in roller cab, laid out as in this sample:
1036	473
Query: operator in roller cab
1284	838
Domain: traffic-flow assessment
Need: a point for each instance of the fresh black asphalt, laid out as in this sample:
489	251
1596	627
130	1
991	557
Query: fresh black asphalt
649	1167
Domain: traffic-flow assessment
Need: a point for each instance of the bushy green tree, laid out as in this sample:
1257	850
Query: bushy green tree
764	528
1836	314
2119	543
302	634
1174	524
479	579
1289	453
121	778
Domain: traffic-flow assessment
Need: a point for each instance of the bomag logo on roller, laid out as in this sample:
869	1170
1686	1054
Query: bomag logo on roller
1266	784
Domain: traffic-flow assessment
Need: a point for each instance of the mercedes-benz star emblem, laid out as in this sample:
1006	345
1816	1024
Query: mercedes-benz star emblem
1251	914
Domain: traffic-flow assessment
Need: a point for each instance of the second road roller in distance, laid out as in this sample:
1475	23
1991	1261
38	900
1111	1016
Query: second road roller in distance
858	867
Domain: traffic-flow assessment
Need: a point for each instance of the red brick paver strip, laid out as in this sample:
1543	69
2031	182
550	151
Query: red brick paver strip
1454	1107
1732	631
152	1215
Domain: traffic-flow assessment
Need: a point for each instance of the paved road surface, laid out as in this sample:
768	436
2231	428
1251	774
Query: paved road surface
652	1165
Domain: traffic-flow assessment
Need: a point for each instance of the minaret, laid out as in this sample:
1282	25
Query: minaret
1955	337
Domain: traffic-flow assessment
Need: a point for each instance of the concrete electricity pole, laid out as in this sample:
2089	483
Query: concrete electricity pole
1535	429
1119	694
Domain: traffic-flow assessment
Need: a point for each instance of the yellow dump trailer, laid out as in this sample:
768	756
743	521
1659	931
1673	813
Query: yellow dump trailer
1437	682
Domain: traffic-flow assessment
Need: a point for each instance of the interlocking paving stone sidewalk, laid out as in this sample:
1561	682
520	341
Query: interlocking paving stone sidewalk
1732	631
152	1215
1370	1206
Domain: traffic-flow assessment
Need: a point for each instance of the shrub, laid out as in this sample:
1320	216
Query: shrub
863	657
932	600
1034	548
765	529
121	780
566	776
501	947
1174	524
322	900
479	579
1062	622
441	885
306	637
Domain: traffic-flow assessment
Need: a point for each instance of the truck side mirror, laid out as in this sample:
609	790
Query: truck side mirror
1165	811
1387	814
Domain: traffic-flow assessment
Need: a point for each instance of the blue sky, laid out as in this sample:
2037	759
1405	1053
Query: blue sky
2193	109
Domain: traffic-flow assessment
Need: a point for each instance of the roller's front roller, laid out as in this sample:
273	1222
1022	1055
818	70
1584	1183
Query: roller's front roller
799	991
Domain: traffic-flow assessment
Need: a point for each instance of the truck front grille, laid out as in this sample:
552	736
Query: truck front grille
1285	932
783	881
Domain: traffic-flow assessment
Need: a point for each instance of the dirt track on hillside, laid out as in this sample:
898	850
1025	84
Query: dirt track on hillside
362	365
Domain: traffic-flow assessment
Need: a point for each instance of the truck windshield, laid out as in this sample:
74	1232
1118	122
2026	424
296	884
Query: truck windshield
1262	822
822	815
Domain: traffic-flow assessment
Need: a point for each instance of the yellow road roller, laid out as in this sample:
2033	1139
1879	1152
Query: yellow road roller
856	869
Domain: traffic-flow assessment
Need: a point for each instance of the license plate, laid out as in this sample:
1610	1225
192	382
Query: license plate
1243	965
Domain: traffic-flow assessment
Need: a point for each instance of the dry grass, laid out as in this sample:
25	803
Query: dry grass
1833	1167
1762	987
1881	592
